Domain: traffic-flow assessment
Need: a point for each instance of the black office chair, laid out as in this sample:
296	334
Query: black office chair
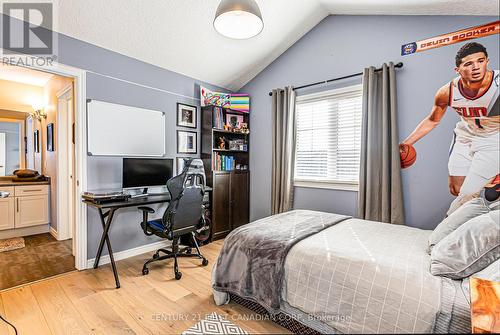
184	215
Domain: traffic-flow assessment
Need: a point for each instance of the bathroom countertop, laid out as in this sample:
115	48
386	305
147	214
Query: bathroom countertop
8	182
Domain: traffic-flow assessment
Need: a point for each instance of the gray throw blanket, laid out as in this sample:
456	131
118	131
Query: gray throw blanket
251	262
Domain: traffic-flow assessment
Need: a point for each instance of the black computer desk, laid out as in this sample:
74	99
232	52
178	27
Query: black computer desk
111	207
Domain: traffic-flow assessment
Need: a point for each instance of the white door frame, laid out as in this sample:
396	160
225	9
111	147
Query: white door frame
80	104
64	183
3	157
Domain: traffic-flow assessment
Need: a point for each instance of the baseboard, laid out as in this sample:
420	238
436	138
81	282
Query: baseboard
53	232
26	231
129	253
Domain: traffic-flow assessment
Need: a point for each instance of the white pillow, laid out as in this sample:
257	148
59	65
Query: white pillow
470	248
467	211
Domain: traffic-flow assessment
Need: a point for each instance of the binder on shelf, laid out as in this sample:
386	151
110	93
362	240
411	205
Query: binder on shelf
218	118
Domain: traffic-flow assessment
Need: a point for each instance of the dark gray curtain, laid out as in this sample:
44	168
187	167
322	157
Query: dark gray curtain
380	196
283	110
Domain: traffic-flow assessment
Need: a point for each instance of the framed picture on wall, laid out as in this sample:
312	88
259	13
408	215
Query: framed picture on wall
186	115
36	141
50	137
187	142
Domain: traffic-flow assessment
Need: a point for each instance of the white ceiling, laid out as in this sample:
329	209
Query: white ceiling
178	34
23	75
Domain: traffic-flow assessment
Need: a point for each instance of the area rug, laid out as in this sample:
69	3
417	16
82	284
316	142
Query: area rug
11	244
214	324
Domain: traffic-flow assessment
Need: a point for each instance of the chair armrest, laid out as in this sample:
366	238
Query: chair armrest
144	223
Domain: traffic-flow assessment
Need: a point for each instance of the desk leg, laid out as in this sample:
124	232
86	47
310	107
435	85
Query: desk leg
105	238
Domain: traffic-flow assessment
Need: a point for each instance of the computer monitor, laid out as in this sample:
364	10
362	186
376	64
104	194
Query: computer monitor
146	172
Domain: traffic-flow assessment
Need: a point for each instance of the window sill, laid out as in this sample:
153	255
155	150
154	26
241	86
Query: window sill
327	185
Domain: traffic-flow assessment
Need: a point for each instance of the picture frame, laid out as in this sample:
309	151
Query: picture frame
50	137
186	115
179	164
187	142
36	141
234	121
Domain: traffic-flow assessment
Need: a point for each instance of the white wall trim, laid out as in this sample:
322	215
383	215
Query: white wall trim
327	185
80	96
144	86
325	94
53	232
130	253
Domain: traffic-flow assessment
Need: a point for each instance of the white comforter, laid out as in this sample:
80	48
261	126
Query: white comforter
365	277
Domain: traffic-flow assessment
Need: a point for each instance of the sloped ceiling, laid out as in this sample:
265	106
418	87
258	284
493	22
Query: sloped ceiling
178	34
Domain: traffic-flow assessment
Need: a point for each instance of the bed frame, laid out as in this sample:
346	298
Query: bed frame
282	319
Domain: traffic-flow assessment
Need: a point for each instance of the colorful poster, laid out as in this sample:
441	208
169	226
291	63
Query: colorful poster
451	38
237	102
240	102
210	98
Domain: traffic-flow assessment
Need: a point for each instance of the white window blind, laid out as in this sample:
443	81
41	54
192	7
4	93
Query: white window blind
329	136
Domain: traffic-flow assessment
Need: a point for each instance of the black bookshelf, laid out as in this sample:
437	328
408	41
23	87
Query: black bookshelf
230	194
210	139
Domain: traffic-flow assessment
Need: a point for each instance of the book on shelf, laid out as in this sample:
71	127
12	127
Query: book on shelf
223	162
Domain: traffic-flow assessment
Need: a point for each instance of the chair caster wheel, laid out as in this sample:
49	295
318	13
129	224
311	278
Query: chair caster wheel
156	256
178	275
189	251
204	262
145	271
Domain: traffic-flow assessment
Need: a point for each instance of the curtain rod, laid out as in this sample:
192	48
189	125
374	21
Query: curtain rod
398	65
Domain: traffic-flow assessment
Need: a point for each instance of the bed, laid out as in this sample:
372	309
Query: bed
336	274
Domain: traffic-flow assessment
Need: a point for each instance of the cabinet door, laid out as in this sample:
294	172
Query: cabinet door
220	218
7	213
32	211
239	198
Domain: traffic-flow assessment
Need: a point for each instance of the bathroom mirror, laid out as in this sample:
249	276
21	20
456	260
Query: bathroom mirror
12	146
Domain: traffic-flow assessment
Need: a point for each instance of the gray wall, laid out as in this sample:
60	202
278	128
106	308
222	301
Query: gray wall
342	45
11	130
105	172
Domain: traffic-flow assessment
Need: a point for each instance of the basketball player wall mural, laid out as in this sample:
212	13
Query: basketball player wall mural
474	152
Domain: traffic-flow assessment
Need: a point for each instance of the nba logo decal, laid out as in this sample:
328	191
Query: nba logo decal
409	48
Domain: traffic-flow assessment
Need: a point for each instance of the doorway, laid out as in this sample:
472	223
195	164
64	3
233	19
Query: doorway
73	100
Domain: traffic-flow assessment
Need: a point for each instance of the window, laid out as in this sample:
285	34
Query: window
329	138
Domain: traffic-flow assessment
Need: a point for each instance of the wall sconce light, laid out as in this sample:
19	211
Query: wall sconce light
39	114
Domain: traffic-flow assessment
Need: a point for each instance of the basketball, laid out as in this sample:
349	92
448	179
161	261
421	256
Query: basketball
407	154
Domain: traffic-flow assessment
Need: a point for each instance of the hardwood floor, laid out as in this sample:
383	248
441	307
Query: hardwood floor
86	302
42	257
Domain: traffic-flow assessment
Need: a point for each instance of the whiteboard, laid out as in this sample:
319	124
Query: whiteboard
118	130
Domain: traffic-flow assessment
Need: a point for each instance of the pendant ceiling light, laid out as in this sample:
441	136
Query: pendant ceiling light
238	19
